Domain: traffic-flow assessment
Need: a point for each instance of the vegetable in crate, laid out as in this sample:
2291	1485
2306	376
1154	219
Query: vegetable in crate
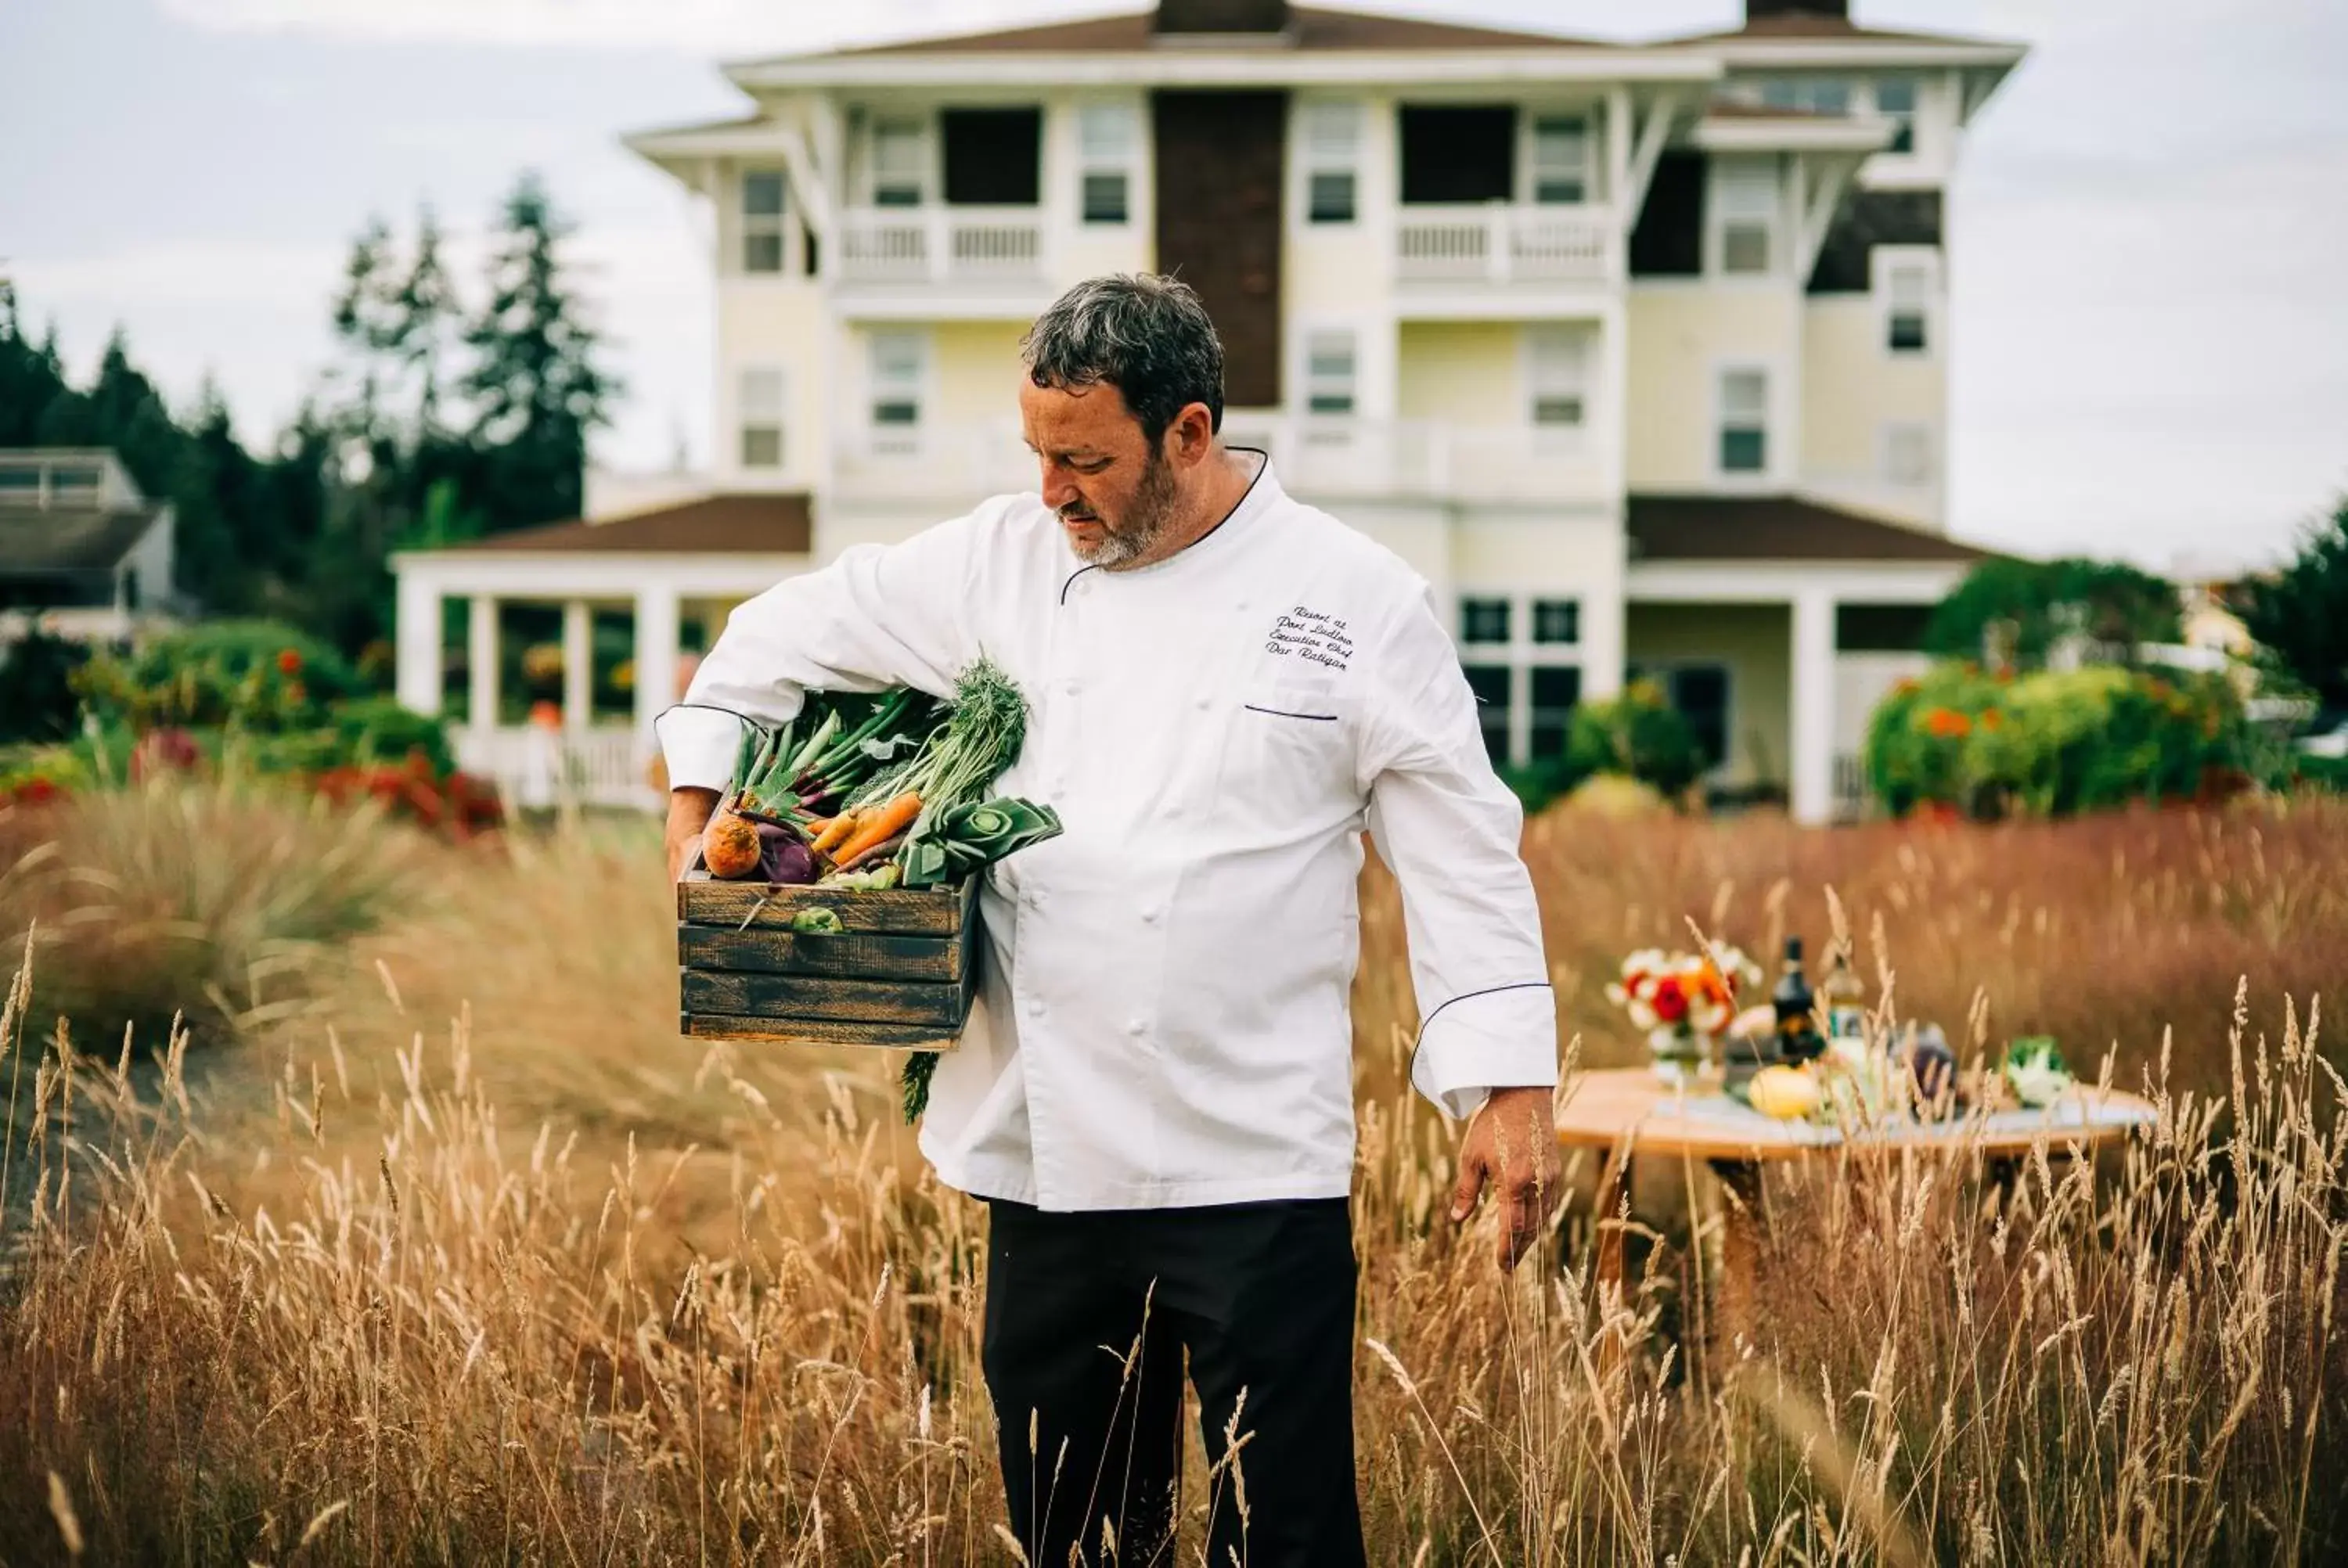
782	780
2034	1069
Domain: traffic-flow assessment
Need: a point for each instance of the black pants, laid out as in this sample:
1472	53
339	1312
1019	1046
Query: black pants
1087	1318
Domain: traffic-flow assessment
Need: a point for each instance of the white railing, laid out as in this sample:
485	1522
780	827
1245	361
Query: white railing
942	245
1424	459
536	767
925	462
1500	243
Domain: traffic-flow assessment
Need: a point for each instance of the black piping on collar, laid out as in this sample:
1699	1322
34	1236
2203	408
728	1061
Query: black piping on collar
1237	507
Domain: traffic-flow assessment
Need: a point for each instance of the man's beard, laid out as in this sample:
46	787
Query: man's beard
1143	525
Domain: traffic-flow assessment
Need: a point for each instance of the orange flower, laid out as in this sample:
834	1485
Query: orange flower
1947	724
1992	719
289	662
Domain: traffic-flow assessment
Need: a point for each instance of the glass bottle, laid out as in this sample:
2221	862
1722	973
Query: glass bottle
1794	1003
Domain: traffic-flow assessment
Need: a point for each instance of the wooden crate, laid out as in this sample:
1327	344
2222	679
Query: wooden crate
899	973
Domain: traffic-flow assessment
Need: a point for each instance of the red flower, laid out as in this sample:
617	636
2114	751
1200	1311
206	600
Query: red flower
289	662
36	792
1670	1001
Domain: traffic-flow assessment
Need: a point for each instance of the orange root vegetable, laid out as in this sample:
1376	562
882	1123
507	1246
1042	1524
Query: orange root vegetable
878	825
878	852
830	835
729	845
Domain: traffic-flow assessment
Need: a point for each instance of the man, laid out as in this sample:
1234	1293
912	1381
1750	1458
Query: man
1155	1093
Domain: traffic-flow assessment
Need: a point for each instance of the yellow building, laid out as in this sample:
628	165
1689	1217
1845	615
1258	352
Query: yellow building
1638	353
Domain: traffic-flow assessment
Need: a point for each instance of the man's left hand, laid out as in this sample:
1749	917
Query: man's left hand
1512	1146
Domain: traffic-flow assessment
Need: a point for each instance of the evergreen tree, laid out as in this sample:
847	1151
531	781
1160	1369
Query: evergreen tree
424	311
536	385
2302	613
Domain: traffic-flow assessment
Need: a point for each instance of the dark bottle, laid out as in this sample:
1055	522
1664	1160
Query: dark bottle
1797	1030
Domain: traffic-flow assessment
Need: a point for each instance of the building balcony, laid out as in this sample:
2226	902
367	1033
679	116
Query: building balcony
1506	244
934	246
1317	457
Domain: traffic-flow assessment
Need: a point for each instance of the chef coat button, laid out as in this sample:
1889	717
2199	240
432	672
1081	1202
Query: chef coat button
1033	1006
1137	1028
1151	912
1205	703
1172	812
1071	687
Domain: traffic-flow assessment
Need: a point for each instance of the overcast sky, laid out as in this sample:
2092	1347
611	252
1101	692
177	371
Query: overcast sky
2149	234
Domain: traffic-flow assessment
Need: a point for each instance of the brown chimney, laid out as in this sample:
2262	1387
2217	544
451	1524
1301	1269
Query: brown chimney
1762	10
1222	17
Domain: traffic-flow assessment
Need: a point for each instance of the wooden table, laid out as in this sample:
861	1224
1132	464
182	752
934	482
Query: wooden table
1625	1112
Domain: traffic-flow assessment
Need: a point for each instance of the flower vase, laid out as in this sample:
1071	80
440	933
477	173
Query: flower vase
1680	1055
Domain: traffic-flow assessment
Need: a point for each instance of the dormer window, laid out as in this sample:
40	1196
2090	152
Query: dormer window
1810	95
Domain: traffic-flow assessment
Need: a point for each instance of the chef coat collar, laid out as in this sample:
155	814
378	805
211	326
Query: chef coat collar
1262	494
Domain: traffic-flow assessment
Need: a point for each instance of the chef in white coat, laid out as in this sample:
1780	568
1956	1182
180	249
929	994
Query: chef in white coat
1155	1095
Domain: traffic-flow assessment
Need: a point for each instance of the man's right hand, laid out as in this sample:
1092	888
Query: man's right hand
689	811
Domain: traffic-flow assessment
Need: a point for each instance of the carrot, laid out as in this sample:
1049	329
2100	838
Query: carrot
878	852
877	825
832	832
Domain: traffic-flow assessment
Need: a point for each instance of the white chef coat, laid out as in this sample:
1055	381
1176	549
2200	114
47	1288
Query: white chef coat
1162	1019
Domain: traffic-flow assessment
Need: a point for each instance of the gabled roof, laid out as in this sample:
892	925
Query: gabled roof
1815	27
1309	29
1776	528
38	541
745	524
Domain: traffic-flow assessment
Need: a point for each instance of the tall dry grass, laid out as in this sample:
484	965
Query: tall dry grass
423	1294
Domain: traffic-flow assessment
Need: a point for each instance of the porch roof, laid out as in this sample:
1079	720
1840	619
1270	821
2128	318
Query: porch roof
39	540
1777	529
727	525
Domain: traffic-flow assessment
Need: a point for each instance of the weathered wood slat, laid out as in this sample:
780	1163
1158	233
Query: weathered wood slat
819	1031
803	995
844	956
701	900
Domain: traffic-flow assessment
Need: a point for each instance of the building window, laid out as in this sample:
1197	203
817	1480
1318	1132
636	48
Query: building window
1908	303
1484	622
1907	454
1743	421
1744	222
1557	378
1561	160
1333	138
1810	95
1557	622
899	360
900	157
1895	100
761	416
1490	682
1556	689
1700	693
1107	137
762	220
1329	373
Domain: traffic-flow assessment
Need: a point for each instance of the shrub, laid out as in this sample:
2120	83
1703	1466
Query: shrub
37	701
257	674
1638	735
2054	742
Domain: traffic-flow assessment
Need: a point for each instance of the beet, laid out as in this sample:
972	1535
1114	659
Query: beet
783	859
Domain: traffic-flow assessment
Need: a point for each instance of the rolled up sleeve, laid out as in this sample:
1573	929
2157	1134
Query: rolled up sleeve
1449	829
879	616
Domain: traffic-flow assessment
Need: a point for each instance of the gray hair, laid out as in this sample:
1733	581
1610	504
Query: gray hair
1146	335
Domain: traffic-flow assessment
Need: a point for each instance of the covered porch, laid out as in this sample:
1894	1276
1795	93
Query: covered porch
1777	625
552	651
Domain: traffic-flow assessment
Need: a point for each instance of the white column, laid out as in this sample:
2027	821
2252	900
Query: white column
1813	720
657	633
577	664
417	637
481	660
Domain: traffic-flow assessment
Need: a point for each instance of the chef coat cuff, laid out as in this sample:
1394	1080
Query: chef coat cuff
700	745
1505	1038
